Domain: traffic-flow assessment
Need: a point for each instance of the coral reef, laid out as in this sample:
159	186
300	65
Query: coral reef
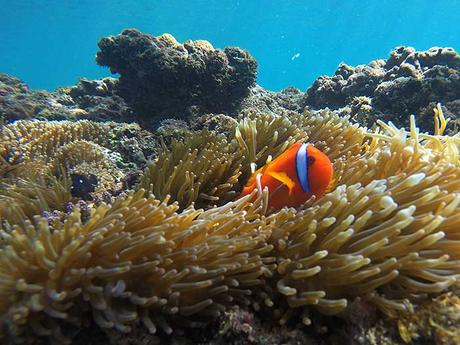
158	74
160	77
387	235
23	142
111	234
408	82
18	101
217	123
134	144
269	102
97	100
89	99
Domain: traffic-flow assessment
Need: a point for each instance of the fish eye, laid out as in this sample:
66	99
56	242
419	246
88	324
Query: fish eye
311	160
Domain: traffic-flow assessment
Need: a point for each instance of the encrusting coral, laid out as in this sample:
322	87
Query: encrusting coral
387	233
437	320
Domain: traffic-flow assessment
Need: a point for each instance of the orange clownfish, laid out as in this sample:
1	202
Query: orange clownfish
293	177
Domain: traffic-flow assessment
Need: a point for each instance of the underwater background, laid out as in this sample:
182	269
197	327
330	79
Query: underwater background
53	43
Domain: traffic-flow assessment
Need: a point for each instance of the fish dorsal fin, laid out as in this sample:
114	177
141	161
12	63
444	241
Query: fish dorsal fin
283	178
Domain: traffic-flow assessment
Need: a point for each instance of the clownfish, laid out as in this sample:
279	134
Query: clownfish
293	177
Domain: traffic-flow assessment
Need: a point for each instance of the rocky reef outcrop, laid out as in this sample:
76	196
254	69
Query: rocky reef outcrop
18	101
408	82
89	99
160	77
98	100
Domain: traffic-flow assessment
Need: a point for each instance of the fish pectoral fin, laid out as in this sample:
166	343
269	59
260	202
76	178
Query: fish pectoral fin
273	194
284	179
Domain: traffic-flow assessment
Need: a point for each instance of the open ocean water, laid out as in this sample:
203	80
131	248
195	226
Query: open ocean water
52	43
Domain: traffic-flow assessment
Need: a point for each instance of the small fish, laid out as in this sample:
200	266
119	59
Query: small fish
295	56
293	177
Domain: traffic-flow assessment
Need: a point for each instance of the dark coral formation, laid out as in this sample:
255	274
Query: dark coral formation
408	82
161	77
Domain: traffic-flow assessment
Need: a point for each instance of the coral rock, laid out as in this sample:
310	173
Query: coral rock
409	82
18	101
99	100
89	99
159	76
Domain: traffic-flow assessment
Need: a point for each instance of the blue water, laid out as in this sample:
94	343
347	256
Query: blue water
50	43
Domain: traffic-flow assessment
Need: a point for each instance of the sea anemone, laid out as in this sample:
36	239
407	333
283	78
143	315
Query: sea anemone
387	233
203	169
39	160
